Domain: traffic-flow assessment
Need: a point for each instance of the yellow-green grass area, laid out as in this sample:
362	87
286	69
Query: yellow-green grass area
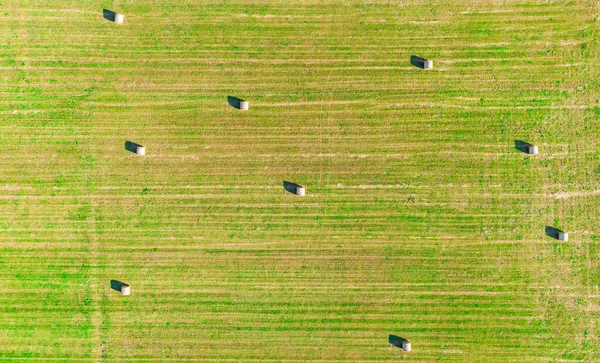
421	218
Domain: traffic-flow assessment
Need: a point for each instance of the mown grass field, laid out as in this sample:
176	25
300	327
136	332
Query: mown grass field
421	218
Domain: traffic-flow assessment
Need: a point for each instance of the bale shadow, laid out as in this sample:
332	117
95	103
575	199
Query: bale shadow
234	102
417	61
290	187
108	15
116	285
396	341
552	232
522	146
131	146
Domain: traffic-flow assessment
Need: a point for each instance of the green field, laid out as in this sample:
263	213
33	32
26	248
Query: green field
421	217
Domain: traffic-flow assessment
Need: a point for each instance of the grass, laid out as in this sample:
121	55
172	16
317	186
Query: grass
421	219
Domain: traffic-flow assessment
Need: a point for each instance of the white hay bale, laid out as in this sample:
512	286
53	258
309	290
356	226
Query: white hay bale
428	64
140	150
119	18
563	236
406	346
125	289
533	150
300	191
244	105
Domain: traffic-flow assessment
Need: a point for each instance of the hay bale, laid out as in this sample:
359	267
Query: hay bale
300	191
428	64
563	236
140	150
119	18
244	105
125	289
406	346
533	150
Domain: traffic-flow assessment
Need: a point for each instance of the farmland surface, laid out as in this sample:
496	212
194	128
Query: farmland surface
422	219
